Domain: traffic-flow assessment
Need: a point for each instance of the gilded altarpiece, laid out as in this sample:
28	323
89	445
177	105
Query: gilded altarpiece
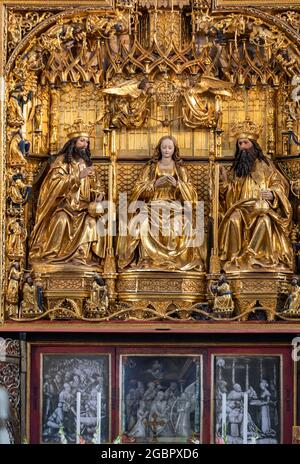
130	73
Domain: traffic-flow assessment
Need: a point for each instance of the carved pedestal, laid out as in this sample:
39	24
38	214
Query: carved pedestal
159	295
253	288
65	290
32	312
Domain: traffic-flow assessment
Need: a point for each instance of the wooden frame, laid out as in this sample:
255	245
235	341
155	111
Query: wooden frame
264	376
166	386
57	373
163	364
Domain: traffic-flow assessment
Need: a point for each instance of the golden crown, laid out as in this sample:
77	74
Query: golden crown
245	129
167	93
79	129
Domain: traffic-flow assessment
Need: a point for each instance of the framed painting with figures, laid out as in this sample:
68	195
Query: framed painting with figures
201	393
251	399
160	396
72	403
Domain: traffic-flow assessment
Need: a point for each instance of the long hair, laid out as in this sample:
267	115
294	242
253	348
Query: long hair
70	148
257	154
157	152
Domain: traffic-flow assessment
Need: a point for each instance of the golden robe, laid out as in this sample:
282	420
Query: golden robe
64	230
254	233
292	304
157	241
30	298
223	299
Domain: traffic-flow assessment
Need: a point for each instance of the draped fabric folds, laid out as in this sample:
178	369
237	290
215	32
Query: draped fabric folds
254	233
158	236
64	230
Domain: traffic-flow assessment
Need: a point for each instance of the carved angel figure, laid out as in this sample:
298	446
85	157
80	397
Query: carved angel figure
133	88
196	111
212	85
128	108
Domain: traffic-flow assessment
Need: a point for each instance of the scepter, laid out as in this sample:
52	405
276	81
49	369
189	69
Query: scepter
109	271
215	154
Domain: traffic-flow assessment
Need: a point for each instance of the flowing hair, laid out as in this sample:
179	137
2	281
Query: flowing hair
70	147
157	152
158	156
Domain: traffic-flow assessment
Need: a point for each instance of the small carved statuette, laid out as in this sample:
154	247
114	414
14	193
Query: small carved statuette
12	293
223	301
31	304
97	304
292	304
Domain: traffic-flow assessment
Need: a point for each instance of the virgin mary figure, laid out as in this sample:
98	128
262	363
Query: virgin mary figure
162	228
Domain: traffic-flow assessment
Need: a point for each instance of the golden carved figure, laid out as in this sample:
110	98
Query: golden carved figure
16	237
15	154
154	238
29	304
17	192
12	292
292	303
256	213
129	104
98	298
65	229
196	112
15	118
212	85
223	301
133	88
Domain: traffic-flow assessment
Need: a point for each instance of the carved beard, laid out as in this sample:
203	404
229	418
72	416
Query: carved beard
245	162
82	153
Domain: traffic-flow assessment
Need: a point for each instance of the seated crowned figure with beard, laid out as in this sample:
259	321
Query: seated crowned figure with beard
69	203
256	213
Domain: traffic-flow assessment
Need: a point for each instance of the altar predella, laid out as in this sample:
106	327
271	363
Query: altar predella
151	163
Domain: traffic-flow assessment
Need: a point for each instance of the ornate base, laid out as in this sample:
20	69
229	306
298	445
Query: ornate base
226	313
291	314
160	294
65	289
26	313
94	311
252	289
64	308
